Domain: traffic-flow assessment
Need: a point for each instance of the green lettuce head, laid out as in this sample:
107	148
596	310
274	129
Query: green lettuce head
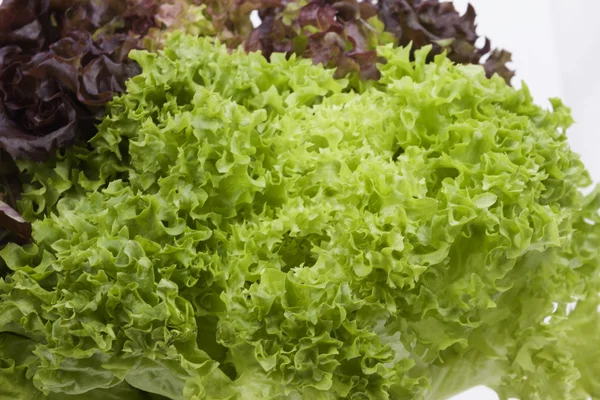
240	229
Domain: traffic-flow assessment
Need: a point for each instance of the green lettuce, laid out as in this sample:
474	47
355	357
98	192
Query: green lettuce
245	229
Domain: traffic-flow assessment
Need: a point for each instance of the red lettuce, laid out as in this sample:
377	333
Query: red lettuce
431	22
13	228
336	34
60	63
343	34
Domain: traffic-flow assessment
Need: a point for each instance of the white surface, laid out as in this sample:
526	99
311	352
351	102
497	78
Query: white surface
477	393
577	36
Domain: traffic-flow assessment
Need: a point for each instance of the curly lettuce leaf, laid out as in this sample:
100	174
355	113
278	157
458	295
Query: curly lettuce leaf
16	372
248	229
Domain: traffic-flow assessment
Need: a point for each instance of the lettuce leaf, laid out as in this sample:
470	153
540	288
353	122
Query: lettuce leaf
440	25
61	62
344	34
240	228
